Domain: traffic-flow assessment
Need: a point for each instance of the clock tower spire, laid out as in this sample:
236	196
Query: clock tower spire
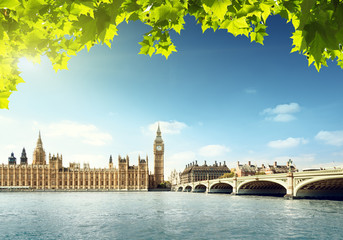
159	158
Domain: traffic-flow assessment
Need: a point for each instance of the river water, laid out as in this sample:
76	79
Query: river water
165	215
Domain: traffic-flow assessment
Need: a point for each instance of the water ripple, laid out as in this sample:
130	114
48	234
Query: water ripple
165	215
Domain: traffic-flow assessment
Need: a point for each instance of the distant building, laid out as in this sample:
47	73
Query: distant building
12	160
23	158
247	169
273	169
52	175
174	179
250	169
193	172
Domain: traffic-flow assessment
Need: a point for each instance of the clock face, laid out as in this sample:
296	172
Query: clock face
159	147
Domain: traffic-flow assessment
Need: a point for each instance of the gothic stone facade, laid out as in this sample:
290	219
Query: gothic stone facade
40	175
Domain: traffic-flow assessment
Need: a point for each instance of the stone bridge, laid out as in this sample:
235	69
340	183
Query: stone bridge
315	184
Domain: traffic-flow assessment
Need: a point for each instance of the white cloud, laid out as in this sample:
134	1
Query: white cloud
171	127
332	138
182	157
250	91
87	133
5	120
287	143
282	118
282	112
134	155
176	161
283	109
213	150
10	147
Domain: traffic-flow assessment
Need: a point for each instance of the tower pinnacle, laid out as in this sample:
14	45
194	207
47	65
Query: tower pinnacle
39	153
39	141
158	135
158	130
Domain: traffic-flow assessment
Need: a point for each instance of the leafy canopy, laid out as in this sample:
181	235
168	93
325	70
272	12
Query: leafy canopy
61	28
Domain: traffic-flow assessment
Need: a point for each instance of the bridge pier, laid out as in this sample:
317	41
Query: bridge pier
290	186
234	189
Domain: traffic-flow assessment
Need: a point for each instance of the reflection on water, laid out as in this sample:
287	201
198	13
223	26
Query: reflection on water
165	215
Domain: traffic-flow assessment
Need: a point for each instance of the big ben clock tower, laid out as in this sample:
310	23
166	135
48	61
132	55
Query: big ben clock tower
159	158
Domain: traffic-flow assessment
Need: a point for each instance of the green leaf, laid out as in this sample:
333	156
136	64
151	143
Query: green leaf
4	99
82	8
10	4
147	45
147	50
248	10
259	34
60	62
307	5
236	26
266	11
109	35
317	47
218	7
340	63
61	28
165	12
165	50
32	7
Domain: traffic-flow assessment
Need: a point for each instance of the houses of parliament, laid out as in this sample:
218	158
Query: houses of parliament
41	175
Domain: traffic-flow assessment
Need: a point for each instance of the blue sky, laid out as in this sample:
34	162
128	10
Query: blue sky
219	98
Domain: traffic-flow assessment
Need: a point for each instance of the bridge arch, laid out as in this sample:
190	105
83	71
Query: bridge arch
330	187
200	188
265	187
220	187
180	189
188	188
